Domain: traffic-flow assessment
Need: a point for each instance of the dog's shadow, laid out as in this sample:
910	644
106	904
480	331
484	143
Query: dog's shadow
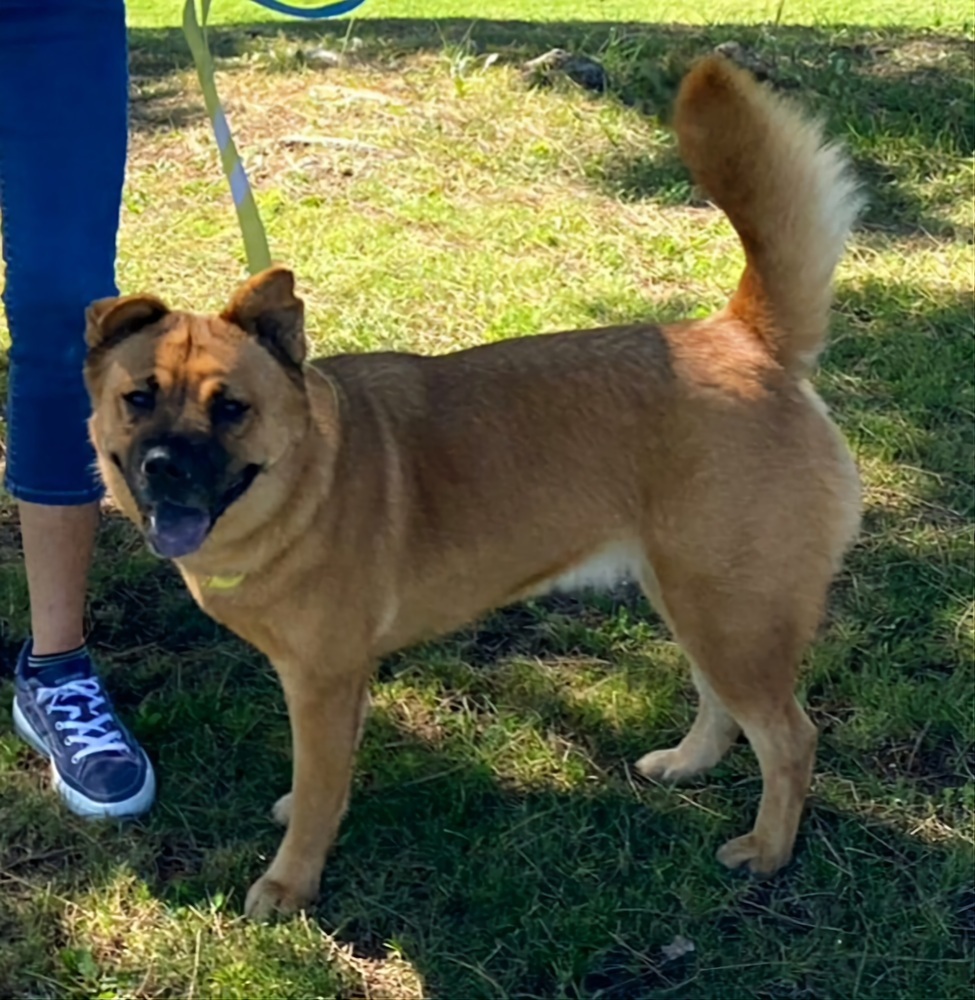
577	889
568	891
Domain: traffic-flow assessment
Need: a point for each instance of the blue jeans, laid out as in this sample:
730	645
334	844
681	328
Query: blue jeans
63	133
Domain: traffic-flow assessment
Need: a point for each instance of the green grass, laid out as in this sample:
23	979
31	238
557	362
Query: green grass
934	14
496	845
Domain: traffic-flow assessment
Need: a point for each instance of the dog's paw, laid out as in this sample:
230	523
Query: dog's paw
753	855
668	765
281	810
268	897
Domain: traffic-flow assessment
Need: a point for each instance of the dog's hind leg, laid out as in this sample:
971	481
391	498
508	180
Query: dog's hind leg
784	740
747	646
713	731
708	740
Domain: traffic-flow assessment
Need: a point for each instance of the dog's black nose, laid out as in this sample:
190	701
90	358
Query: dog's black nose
160	466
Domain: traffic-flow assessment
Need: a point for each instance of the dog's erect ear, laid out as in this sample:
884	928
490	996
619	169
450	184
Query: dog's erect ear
110	321
267	308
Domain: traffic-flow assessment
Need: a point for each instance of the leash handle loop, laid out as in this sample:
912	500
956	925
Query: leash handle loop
312	13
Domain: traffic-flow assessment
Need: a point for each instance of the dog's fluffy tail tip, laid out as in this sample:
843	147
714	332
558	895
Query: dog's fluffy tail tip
707	82
791	196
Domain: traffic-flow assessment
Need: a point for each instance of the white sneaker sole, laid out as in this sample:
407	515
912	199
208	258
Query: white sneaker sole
78	802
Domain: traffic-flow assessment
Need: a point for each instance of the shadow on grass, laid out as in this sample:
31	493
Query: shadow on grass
900	97
898	372
490	890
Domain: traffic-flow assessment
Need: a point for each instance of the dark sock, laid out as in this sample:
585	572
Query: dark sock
53	668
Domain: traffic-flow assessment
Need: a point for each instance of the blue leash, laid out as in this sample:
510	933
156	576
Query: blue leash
194	28
312	13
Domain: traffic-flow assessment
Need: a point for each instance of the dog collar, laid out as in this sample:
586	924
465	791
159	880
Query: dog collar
223	582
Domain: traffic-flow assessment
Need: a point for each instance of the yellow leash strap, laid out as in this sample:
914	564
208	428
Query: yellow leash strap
195	30
251	227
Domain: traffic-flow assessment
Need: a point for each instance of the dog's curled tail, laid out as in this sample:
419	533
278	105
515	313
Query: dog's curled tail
790	195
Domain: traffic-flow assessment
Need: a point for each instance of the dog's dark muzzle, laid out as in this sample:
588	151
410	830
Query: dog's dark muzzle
183	486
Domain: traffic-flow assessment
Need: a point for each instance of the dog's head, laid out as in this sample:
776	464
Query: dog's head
189	412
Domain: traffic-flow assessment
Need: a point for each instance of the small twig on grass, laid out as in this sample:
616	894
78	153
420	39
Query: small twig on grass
196	965
28	859
332	141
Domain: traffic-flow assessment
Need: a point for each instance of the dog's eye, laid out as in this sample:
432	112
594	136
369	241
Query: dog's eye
140	400
227	411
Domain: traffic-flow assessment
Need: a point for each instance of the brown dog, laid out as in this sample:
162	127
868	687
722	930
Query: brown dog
332	514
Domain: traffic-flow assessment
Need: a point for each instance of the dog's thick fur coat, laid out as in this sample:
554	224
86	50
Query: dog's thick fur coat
365	502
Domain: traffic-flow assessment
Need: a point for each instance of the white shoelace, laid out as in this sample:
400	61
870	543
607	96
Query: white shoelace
95	732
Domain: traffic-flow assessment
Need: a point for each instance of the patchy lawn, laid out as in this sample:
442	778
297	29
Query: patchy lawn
497	845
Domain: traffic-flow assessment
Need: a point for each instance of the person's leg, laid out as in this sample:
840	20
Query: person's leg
63	129
58	545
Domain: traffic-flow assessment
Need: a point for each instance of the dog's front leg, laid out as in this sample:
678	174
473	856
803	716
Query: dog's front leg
325	711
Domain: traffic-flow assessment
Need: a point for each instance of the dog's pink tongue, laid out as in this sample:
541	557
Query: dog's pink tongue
176	531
